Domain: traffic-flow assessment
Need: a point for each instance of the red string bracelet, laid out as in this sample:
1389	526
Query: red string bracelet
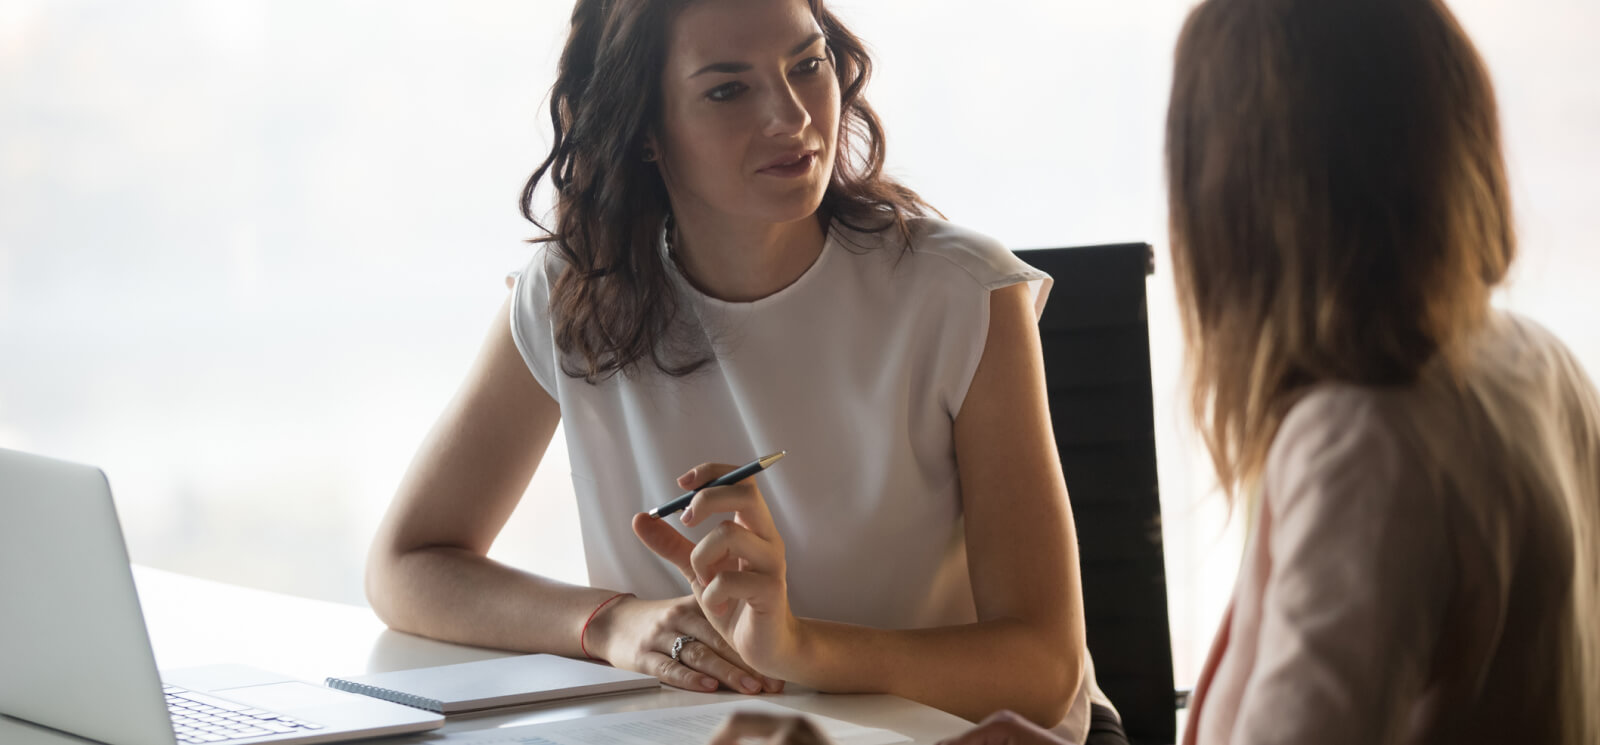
596	612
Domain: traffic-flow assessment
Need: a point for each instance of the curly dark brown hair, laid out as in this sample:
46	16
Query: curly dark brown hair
612	303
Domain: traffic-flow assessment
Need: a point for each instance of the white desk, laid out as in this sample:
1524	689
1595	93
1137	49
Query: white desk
198	622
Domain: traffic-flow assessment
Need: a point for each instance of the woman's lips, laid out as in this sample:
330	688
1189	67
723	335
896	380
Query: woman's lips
793	168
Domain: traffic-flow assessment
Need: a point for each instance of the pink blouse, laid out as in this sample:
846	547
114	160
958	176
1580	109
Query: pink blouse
1425	563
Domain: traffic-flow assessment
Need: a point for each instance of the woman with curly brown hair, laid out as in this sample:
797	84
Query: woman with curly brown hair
729	273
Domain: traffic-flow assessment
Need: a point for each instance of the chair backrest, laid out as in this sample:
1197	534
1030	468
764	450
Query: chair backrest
1096	340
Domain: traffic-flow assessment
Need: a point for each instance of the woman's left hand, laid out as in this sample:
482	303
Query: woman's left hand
737	571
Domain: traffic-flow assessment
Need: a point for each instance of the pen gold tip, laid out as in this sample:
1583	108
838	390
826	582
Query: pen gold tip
774	458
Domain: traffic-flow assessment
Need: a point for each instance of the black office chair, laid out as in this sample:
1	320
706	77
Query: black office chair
1096	338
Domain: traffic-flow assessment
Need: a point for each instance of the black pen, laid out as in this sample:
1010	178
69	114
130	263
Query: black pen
732	477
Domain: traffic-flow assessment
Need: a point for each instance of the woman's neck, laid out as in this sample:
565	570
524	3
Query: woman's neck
739	262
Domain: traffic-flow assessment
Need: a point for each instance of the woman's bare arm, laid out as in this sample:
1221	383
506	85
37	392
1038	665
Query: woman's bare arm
1026	651
428	572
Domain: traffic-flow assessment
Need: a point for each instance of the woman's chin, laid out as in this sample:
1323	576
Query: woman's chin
791	209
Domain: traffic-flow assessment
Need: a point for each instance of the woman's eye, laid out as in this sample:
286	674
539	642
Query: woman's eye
725	92
811	66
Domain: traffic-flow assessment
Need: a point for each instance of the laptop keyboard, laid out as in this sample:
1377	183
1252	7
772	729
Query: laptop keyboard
198	718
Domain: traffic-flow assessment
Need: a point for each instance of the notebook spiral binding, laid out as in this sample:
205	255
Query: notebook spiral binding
388	694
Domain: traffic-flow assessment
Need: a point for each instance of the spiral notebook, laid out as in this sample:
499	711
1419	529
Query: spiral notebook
489	684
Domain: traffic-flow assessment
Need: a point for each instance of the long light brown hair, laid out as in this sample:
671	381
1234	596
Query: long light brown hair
1338	204
613	305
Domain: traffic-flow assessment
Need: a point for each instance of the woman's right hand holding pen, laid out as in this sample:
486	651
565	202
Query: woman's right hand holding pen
634	634
737	571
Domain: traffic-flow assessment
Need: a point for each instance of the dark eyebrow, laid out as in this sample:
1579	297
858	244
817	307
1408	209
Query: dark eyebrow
804	45
734	67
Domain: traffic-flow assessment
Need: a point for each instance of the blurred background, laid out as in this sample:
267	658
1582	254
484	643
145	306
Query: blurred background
248	248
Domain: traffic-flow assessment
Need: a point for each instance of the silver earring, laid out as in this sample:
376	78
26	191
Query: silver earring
649	154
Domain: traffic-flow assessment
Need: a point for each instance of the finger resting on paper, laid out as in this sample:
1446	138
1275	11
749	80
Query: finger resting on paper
679	675
707	634
706	659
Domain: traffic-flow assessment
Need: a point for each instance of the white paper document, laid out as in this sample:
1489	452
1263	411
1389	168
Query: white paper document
682	725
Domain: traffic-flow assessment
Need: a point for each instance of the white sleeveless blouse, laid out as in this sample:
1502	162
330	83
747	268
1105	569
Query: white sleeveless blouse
857	369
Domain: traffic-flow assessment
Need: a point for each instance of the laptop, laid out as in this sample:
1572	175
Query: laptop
75	656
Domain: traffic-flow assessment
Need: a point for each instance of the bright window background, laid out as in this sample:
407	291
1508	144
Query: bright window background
248	248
